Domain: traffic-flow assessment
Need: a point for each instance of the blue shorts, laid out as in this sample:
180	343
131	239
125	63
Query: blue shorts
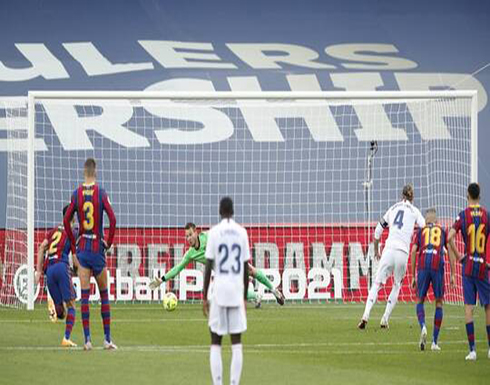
471	286
60	285
92	261
427	276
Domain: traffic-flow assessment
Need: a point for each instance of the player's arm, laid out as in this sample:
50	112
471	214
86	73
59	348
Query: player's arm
112	220
382	224
67	222
451	238
413	258
174	271
41	251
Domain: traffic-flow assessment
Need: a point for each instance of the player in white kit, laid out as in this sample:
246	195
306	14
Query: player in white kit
401	219
228	252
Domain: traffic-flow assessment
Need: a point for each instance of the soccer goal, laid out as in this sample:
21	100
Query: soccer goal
310	174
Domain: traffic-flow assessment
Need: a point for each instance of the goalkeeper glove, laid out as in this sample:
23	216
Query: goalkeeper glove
155	284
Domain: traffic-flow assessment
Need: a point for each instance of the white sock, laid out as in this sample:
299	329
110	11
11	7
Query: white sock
236	364
371	300
392	300
216	364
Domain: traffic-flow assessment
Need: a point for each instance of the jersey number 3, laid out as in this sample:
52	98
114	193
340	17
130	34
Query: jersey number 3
399	219
88	209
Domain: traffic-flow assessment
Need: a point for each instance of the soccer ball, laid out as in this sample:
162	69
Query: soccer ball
170	301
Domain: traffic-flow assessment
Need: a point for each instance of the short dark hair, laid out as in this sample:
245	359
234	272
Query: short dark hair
431	210
190	225
65	209
408	192
474	191
226	207
90	166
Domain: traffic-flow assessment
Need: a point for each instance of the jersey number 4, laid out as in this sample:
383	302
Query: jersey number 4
399	219
224	254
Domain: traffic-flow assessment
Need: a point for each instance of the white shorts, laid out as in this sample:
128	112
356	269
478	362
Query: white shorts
227	320
393	262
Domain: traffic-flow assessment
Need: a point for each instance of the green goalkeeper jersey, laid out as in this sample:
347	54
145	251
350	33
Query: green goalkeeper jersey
191	255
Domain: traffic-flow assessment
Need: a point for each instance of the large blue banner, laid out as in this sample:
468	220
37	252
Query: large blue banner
253	45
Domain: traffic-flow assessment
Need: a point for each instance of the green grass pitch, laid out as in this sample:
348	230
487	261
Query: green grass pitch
294	344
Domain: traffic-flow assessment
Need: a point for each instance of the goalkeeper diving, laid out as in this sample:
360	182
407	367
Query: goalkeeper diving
196	253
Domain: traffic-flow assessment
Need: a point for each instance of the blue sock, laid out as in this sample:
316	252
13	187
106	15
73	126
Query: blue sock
437	323
421	314
470	332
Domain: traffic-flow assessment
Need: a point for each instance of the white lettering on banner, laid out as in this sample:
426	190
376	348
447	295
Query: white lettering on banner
190	280
178	54
335	259
362	54
436	127
216	125
124	286
72	128
129	259
268	251
267	56
142	291
359	264
318	284
95	64
295	256
298	276
373	119
43	63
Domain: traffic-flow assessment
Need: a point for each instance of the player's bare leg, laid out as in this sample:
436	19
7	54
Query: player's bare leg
437	325
470	332
105	309
215	360
84	275
262	278
236	359
70	321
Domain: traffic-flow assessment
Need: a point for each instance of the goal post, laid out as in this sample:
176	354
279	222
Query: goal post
295	163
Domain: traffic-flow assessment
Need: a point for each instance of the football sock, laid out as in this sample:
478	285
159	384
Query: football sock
372	296
437	323
236	364
262	278
70	321
105	312
86	314
470	332
421	314
392	300
216	364
251	295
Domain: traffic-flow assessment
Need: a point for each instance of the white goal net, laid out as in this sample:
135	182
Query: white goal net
310	175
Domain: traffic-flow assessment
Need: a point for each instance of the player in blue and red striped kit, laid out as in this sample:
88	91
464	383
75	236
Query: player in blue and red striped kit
52	259
428	254
473	222
90	201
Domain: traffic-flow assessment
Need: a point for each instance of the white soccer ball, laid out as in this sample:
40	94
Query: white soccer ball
170	301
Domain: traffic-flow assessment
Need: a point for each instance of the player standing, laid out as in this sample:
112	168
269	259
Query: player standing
401	219
195	253
228	252
473	223
90	201
430	245
56	248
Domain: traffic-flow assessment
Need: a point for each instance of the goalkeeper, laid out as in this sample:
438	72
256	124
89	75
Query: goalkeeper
196	253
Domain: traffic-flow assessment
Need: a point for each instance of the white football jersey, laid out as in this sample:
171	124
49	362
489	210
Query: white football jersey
228	247
401	219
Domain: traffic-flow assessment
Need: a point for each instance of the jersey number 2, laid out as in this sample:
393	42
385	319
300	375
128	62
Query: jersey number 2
224	254
399	219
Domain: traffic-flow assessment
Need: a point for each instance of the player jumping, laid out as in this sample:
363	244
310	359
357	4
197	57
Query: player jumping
197	242
430	245
473	222
227	253
401	219
90	201
56	248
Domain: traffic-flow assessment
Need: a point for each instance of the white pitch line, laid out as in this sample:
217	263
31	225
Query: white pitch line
248	347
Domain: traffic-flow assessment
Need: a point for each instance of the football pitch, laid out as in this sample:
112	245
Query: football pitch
295	344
